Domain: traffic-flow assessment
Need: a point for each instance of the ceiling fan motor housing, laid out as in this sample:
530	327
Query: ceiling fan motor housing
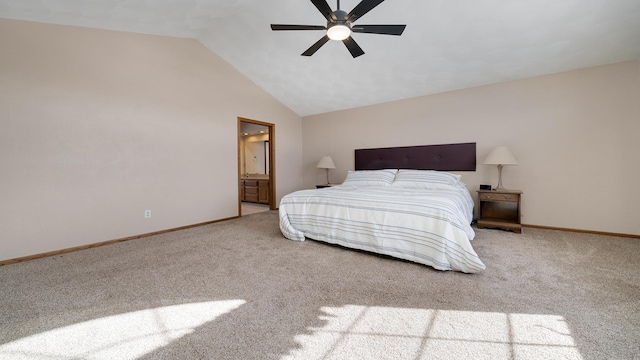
338	17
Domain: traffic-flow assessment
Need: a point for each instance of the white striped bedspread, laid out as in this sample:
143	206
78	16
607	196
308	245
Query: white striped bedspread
430	227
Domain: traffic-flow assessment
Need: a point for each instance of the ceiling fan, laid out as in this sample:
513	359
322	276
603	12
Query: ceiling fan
340	26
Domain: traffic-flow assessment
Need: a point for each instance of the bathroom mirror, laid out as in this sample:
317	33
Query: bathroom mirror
256	157
254	149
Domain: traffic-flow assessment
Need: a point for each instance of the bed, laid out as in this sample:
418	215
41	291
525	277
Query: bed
419	215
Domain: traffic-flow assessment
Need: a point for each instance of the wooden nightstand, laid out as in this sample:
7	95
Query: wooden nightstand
500	209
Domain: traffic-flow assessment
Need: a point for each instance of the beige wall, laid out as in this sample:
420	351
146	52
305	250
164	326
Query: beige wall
576	136
97	126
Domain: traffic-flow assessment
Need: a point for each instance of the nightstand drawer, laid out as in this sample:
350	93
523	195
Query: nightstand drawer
499	197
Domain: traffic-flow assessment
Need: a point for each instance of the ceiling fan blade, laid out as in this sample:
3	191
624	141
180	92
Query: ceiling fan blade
324	8
362	8
353	47
276	27
379	29
310	51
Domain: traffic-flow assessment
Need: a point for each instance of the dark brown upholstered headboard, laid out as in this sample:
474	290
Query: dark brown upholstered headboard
449	157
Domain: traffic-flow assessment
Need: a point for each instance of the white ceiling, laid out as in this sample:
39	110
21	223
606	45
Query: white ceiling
447	45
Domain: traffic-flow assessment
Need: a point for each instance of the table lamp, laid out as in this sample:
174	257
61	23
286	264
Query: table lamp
326	163
500	156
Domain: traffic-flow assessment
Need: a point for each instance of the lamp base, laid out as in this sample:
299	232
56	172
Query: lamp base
500	187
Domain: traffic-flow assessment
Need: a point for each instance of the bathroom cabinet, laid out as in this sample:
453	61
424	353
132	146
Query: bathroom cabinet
255	190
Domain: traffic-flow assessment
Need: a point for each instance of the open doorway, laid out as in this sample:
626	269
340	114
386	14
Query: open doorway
256	166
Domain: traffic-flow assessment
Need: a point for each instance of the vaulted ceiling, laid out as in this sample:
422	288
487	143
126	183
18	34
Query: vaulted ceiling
447	45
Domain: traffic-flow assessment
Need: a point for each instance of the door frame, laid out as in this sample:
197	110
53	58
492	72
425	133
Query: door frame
272	161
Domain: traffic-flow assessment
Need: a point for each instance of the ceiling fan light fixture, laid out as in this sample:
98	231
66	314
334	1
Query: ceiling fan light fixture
338	32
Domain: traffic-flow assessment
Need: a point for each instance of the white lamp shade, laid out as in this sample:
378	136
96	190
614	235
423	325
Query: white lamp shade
338	32
500	156
326	163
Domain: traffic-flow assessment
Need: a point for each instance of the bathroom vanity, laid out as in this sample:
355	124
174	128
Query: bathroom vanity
255	190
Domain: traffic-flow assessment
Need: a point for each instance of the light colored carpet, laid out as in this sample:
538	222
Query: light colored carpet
239	290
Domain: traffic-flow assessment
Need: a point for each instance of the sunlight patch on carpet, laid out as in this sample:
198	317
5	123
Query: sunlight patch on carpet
393	333
123	336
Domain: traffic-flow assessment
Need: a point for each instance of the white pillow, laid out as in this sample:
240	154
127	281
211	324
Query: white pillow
425	179
370	177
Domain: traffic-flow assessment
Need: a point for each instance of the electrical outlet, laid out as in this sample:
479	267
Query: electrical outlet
147	214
